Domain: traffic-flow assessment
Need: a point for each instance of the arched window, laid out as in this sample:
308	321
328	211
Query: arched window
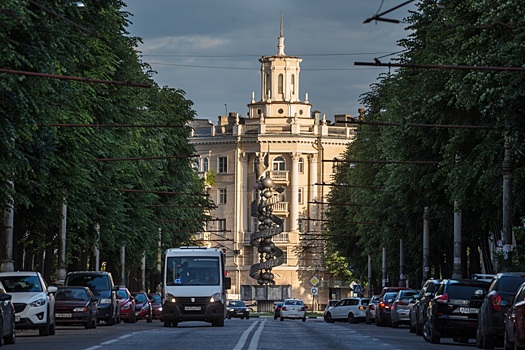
278	164
293	84
280	84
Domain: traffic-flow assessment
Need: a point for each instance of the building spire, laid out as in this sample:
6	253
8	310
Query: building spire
280	45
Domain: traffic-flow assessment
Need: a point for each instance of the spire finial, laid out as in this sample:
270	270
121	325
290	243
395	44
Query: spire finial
280	45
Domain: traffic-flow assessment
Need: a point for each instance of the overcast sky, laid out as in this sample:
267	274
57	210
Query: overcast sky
210	49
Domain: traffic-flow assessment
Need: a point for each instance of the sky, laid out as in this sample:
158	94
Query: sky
210	49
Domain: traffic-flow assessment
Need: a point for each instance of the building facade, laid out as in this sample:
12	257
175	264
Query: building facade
297	145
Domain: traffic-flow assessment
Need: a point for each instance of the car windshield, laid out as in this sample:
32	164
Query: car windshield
122	293
21	284
141	298
191	271
236	303
462	291
93	282
71	294
156	298
389	295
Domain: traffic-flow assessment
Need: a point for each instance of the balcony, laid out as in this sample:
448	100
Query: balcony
280	208
280	176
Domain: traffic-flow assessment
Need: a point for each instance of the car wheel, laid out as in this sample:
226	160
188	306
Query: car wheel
367	319
274	317
351	318
435	338
426	331
247	317
328	318
10	339
242	317
44	331
229	317
282	318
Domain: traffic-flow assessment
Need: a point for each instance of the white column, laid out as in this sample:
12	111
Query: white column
294	200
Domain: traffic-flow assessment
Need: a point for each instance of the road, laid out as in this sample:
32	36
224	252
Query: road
262	333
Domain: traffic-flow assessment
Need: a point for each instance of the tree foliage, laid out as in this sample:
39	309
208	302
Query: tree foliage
467	174
131	181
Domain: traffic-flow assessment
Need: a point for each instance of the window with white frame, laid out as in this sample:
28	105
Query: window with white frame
221	227
222	165
278	164
205	164
301	165
221	196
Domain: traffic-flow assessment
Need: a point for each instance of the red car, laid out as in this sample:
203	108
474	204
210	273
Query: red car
127	305
156	305
143	309
75	305
514	323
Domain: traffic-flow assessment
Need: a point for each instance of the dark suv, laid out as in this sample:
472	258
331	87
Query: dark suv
453	312
101	284
418	312
495	305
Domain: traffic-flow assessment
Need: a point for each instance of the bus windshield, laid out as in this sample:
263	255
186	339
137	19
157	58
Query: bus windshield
192	271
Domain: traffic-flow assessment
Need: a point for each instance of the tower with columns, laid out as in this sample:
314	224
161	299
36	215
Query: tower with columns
284	139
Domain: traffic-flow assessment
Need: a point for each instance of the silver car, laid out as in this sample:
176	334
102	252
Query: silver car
400	309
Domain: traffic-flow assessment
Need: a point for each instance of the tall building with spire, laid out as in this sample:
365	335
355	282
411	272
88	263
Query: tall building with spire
296	145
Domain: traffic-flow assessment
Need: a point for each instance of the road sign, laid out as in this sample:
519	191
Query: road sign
357	288
314	290
314	280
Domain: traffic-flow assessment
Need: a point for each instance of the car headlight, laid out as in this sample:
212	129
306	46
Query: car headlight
160	308
232	310
215	297
126	306
37	303
170	298
80	309
105	301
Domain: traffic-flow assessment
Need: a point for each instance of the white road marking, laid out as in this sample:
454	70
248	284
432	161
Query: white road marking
255	339
244	336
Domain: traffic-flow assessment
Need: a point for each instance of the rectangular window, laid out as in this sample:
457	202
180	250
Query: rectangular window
222	165
221	227
222	196
300	195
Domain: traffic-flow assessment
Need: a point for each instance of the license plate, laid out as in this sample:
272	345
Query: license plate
17	318
192	308
64	315
468	310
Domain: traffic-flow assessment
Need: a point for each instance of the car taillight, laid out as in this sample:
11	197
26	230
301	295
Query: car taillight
442	298
362	307
384	305
495	301
283	308
302	309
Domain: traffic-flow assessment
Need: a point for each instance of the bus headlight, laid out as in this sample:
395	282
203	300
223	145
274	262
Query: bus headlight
215	297
170	298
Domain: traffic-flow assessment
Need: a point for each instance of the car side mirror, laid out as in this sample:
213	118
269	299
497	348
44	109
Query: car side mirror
480	293
52	289
504	303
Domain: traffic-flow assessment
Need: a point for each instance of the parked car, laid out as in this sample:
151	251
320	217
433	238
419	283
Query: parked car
400	309
492	312
418	311
102	286
390	289
514	322
156	305
7	315
33	300
453	312
143	309
76	305
383	309
330	303
350	310
127	305
277	311
237	308
370	312
293	308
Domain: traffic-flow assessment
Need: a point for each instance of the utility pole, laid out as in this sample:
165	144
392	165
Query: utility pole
384	276
6	264
456	274
507	202
61	270
402	276
426	245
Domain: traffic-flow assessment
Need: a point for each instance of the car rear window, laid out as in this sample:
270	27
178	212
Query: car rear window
463	291
510	284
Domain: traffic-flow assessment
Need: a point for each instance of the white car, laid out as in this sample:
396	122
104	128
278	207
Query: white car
293	308
33	300
350	310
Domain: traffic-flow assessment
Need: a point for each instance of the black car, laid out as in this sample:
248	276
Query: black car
101	284
495	305
237	308
7	318
418	312
453	312
383	309
76	305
